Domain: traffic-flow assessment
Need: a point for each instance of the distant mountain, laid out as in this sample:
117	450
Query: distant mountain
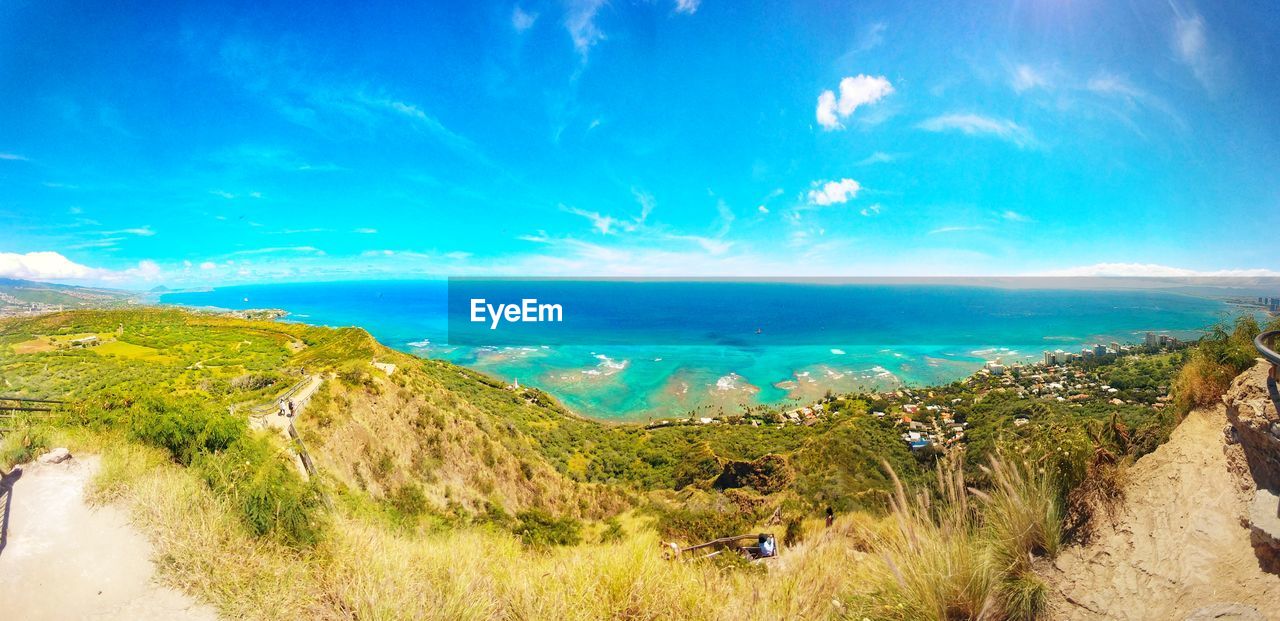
160	289
26	296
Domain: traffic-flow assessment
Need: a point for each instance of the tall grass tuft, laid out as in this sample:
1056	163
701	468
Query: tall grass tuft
964	553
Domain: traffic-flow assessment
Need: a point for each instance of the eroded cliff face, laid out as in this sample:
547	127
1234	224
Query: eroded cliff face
1255	424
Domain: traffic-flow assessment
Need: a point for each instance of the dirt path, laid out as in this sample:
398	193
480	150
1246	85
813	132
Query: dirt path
62	559
300	399
1177	545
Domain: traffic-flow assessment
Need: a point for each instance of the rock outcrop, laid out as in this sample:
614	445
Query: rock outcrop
1255	424
56	456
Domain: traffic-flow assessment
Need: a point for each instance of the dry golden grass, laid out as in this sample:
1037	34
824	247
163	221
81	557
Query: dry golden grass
933	558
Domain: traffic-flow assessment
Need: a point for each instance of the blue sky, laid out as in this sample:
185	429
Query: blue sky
188	144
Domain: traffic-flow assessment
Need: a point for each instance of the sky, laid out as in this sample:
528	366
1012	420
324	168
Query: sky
193	144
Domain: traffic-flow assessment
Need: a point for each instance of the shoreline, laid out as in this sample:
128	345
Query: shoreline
631	389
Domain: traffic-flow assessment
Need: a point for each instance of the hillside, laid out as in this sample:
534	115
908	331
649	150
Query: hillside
26	296
442	493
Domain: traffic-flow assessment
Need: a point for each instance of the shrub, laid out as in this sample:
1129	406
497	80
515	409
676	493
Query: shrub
539	529
1218	358
696	525
613	531
270	497
768	474
252	381
184	428
22	441
794	532
409	500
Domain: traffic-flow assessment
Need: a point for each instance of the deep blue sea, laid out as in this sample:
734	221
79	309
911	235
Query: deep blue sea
631	351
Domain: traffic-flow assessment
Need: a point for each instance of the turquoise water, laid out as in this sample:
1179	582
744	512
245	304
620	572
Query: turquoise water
709	360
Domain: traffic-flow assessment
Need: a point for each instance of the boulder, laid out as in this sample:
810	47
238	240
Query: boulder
1264	529
1251	410
56	456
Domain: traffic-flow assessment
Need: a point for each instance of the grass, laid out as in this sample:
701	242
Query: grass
454	498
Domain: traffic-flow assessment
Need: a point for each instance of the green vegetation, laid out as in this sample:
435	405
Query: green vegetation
1221	355
443	494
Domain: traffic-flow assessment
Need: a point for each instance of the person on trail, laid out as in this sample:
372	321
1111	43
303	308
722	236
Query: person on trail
291	408
766	546
831	517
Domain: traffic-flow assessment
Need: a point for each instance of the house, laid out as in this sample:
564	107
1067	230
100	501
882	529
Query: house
85	341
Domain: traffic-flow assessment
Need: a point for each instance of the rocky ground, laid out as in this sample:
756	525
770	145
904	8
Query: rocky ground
1180	546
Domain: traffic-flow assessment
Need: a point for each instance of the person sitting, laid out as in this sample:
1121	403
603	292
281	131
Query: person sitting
767	548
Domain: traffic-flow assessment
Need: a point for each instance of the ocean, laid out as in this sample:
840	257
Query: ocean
712	348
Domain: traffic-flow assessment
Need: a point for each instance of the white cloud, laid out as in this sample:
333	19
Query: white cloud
833	192
873	209
871	38
580	21
879	157
280	250
975	124
1191	42
762	209
1026	78
42	266
646	204
1110	84
688	7
1014	216
142	231
208	265
13	157
522	21
956	229
860	90
603	224
1155	270
826	113
365	231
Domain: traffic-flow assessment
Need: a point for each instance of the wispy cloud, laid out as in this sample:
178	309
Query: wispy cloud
365	231
1191	43
279	250
956	229
856	91
688	7
873	209
13	157
141	231
879	157
232	195
603	224
871	37
1013	216
288	81
978	125
580	21
522	20
1025	78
